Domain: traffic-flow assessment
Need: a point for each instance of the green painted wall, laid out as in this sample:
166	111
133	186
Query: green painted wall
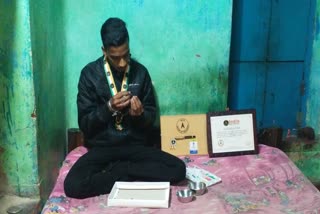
32	98
44	44
48	50
184	44
313	91
306	156
18	158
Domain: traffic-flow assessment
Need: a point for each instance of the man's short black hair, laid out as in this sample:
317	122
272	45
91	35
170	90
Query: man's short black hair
114	32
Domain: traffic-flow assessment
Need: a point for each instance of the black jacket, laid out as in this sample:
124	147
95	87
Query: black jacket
94	118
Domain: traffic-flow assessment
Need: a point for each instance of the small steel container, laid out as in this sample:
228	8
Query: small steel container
185	195
198	188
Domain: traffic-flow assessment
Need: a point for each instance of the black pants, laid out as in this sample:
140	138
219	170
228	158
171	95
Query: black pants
96	172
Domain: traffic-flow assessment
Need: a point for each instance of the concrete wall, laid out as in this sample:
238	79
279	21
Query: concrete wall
48	52
44	45
32	98
18	145
184	44
313	90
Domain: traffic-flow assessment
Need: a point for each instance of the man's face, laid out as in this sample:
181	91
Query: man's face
118	56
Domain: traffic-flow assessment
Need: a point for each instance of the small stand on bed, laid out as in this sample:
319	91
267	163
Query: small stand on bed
75	139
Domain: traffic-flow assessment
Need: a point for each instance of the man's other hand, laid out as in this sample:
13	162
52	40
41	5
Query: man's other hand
136	108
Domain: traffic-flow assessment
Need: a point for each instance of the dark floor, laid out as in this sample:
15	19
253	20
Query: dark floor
10	204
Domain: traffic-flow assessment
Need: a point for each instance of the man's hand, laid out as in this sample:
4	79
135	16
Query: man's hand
136	108
121	100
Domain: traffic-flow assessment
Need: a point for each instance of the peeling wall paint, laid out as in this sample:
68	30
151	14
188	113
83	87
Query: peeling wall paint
184	44
313	91
48	48
18	158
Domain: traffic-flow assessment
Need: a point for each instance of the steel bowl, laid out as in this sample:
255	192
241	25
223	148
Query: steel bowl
198	188
185	195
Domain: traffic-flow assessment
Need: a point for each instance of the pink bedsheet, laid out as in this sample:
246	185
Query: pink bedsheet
265	183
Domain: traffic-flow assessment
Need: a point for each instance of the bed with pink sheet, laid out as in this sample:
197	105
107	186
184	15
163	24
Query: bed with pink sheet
268	182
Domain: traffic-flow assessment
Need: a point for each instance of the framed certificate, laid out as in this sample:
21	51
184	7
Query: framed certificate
231	133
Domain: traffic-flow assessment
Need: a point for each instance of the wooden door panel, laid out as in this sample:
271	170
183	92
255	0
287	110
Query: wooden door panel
250	28
283	100
268	57
289	29
247	84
